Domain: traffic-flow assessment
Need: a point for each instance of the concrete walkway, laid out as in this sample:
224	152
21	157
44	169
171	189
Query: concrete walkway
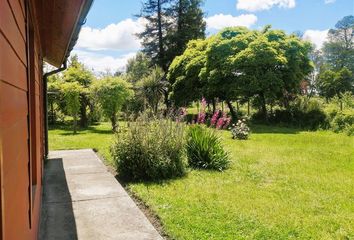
82	200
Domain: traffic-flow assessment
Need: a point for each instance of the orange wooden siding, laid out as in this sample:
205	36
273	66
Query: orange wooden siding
15	178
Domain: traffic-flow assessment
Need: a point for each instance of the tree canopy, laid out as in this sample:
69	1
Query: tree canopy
240	63
112	93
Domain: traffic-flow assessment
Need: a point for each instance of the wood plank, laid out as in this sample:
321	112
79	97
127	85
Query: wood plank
13	105
16	142
19	16
12	69
22	4
12	33
16	225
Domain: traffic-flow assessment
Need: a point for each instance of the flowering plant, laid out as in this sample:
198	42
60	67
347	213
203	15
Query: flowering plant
240	130
220	120
202	112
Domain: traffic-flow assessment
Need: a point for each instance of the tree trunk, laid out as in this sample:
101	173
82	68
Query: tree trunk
75	124
248	107
263	106
232	110
114	123
52	110
167	102
214	105
161	49
83	112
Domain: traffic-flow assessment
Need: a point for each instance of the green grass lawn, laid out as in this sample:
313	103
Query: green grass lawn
282	184
98	137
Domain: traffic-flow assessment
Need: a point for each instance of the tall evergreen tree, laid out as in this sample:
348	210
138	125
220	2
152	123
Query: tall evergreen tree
189	25
154	35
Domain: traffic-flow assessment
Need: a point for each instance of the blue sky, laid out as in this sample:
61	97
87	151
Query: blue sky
108	38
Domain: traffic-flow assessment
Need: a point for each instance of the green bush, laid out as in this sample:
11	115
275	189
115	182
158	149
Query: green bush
204	149
303	113
349	130
150	150
342	121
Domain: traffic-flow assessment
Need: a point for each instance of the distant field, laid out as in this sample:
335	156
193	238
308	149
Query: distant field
282	184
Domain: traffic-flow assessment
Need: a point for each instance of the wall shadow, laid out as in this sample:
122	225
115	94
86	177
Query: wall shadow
57	214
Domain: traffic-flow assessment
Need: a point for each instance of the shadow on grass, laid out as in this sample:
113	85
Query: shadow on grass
125	182
80	131
261	129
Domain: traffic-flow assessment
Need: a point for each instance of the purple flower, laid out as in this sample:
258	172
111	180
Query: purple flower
214	118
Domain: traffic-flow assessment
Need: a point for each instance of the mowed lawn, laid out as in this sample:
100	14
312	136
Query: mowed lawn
282	184
98	137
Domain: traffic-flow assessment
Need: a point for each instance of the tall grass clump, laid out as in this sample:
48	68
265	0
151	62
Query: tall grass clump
150	149
204	149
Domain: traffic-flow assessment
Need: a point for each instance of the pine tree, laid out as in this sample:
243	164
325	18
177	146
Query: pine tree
154	35
189	25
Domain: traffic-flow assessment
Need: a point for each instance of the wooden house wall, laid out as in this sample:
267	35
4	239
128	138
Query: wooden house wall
19	210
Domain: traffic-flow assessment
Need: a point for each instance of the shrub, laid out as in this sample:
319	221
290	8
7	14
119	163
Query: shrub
150	150
240	131
350	130
303	113
204	149
342	121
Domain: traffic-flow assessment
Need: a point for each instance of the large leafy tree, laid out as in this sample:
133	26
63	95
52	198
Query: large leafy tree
71	92
221	76
112	93
298	64
334	84
239	63
260	67
78	73
184	73
338	51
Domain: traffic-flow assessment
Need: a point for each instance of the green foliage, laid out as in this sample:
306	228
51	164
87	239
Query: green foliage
170	26
339	50
153	88
184	72
138	67
204	149
71	92
150	150
189	25
332	84
78	73
111	93
303	113
269	66
154	36
342	121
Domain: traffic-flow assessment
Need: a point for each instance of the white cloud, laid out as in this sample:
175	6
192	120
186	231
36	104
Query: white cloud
220	21
119	36
259	5
317	37
329	1
101	63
